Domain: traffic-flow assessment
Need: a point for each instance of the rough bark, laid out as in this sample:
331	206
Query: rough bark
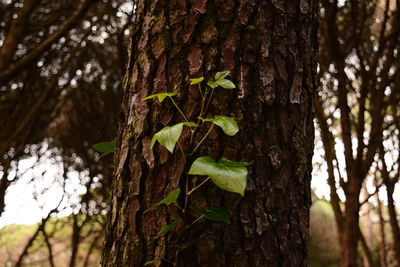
270	48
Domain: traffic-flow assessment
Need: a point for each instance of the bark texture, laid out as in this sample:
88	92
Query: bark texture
270	47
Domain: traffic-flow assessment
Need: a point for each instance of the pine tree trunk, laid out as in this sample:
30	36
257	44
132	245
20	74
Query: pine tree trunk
270	49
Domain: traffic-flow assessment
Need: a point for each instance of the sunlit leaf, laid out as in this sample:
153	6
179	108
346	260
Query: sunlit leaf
196	80
167	228
227	84
168	136
214	214
160	96
227	124
226	174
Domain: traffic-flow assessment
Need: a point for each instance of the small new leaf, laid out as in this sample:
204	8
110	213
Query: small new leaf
167	228
160	96
171	198
212	84
226	174
105	147
214	214
196	80
227	124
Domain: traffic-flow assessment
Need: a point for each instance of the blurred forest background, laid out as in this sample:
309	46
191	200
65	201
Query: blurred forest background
62	66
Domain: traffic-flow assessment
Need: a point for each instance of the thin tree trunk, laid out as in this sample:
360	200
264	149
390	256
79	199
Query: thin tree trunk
351	224
91	249
270	49
368	261
27	246
75	241
382	243
393	220
49	248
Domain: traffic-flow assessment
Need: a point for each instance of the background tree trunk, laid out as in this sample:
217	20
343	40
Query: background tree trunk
270	47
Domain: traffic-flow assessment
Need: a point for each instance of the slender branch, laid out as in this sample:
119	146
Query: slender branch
181	149
180	111
209	100
36	52
196	187
198	219
202	140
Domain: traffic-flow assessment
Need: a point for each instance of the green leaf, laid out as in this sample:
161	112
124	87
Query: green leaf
167	228
227	124
226	174
221	75
227	84
105	147
160	96
171	198
196	80
168	136
184	245
214	214
212	84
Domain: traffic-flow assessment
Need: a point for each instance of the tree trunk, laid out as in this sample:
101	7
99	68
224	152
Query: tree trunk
270	49
383	255
351	226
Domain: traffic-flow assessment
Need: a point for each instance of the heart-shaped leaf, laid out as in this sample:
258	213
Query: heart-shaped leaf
214	214
167	228
168	136
227	124
160	96
105	147
226	174
196	80
221	75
